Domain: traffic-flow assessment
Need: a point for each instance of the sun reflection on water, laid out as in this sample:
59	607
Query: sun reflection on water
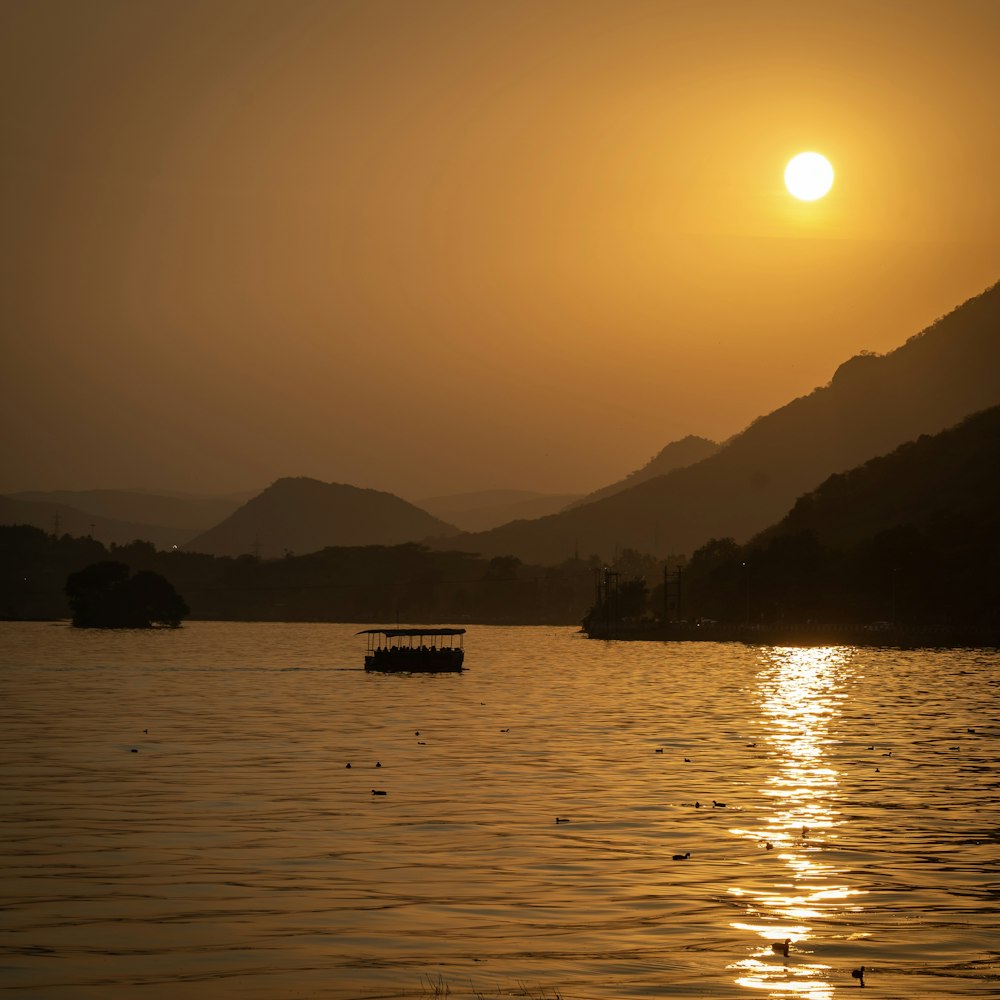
799	692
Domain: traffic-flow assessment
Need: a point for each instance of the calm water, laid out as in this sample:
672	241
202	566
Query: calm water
235	854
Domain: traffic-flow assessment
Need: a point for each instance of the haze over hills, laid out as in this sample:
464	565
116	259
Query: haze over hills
60	518
301	515
873	404
489	508
911	537
675	455
119	516
170	510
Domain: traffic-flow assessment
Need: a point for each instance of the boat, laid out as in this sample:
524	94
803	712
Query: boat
414	650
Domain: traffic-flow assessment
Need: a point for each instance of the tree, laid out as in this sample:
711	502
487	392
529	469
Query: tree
103	595
632	598
153	600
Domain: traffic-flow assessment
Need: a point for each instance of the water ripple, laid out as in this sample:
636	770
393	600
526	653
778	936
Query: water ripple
235	853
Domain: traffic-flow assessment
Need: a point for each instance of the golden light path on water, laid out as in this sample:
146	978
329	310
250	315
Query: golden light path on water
800	691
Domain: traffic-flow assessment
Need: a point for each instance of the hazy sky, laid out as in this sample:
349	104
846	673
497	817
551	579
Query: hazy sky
431	247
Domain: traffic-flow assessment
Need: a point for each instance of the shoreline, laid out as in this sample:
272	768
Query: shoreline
898	636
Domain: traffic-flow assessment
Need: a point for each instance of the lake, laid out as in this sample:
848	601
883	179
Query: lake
178	818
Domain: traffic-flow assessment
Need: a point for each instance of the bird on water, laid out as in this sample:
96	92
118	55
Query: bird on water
682	857
859	975
781	947
718	805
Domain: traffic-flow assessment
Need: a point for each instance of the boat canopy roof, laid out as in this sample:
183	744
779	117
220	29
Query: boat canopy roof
392	633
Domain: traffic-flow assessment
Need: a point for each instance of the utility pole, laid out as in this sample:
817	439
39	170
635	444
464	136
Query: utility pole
669	607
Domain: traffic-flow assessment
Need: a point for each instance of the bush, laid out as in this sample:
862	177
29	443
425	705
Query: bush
103	595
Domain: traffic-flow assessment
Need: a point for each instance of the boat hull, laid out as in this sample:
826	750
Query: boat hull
416	661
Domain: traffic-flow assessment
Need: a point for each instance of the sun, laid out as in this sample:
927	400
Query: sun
808	176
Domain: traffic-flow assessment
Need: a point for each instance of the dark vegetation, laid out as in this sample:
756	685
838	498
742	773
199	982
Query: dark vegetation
104	595
376	583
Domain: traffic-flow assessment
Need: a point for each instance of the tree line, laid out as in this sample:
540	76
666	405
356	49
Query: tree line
373	583
943	574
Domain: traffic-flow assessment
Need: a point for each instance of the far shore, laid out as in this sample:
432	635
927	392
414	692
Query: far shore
808	634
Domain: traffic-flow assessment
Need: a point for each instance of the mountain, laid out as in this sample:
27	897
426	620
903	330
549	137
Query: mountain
60	519
490	508
873	404
947	479
675	455
174	510
909	540
301	515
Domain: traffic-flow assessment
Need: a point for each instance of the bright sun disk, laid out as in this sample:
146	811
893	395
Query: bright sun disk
808	176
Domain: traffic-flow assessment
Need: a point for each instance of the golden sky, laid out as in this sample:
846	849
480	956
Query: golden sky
431	247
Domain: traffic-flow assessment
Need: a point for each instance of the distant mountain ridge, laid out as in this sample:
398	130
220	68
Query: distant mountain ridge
487	509
676	455
873	404
300	515
170	510
59	519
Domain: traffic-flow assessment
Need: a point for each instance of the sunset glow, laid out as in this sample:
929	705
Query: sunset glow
284	226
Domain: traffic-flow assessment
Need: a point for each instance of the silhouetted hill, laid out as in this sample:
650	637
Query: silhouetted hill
872	405
490	508
301	515
676	455
948	481
903	549
59	518
170	510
